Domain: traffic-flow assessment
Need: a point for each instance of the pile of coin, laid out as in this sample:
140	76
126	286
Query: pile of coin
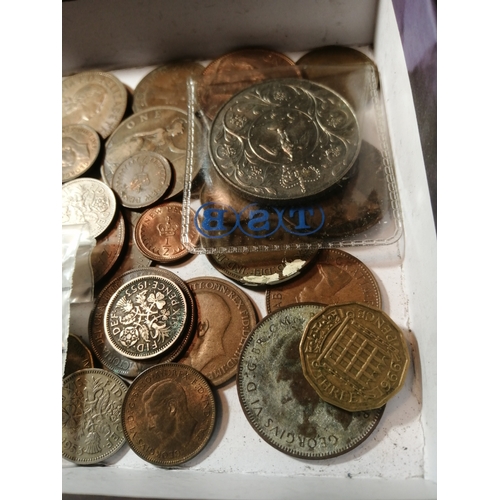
314	373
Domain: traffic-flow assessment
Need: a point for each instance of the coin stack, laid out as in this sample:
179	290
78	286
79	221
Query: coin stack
313	374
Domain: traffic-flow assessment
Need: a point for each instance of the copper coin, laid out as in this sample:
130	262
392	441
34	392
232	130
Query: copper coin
80	148
354	356
93	98
102	347
279	402
168	414
78	356
225	318
335	277
233	72
91	409
158	232
166	86
88	201
142	179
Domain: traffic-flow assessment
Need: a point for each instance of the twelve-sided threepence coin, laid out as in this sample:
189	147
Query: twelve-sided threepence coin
145	317
284	140
279	402
80	147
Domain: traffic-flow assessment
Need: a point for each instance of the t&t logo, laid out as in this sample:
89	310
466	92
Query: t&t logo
216	220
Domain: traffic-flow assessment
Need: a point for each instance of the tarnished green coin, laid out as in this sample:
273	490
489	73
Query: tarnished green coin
279	402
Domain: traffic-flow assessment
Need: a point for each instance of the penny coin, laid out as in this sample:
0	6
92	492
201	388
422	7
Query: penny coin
162	130
88	201
166	86
225	318
158	232
145	316
284	140
142	179
93	98
168	414
91	415
335	277
354	356
279	402
235	71
78	356
80	148
108	248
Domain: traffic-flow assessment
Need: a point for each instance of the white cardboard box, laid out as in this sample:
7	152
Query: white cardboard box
398	461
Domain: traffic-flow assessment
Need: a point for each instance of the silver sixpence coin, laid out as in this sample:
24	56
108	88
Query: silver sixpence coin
284	140
91	415
279	402
80	147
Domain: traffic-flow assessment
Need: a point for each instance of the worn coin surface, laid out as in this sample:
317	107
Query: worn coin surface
87	200
158	232
91	415
335	277
80	148
142	179
284	140
78	356
145	316
354	356
169	414
225	318
279	402
166	86
93	98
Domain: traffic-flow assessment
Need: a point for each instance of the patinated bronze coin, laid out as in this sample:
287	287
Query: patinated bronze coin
166	86
158	232
93	98
78	356
91	415
225	318
80	148
354	356
145	317
88	201
335	277
284	140
168	414
142	179
279	402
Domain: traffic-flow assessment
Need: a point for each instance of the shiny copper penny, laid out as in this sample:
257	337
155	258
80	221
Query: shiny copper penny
91	409
166	86
78	356
169	414
225	318
354	356
335	277
145	317
80	148
158	232
142	179
279	402
93	98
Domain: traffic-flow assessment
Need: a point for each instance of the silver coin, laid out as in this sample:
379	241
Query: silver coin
80	147
284	139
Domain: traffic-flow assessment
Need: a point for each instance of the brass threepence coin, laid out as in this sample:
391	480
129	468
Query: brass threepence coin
142	179
354	356
279	402
91	415
168	414
158	232
88	201
335	277
233	72
145	317
225	318
78	356
93	98
166	86
284	140
102	347
80	148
